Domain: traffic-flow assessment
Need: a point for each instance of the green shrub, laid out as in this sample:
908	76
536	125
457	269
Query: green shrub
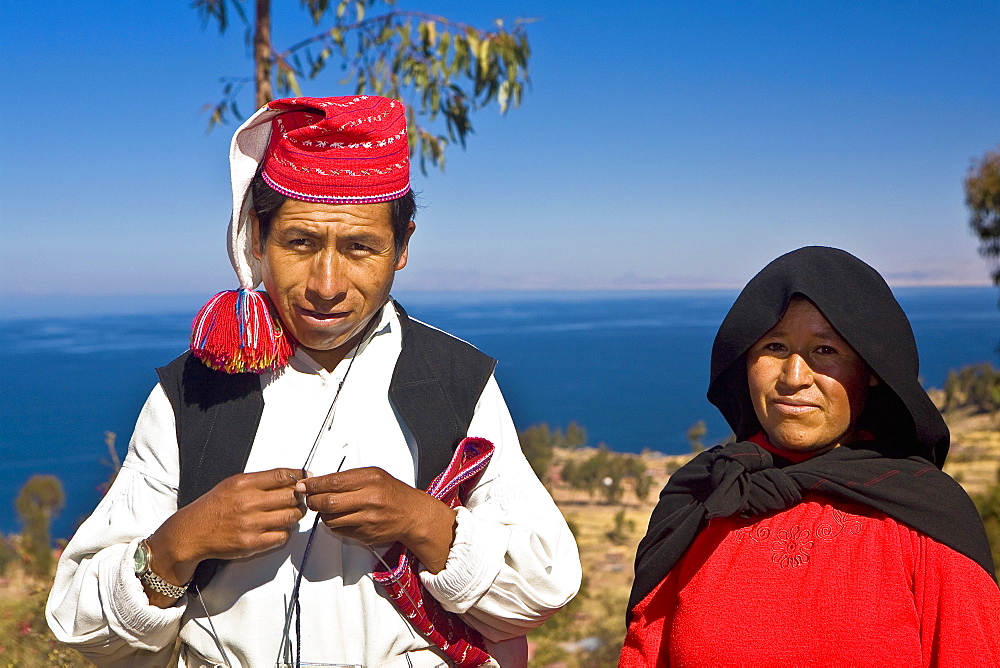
976	386
988	505
39	501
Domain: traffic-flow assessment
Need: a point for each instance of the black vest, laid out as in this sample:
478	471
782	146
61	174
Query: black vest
435	386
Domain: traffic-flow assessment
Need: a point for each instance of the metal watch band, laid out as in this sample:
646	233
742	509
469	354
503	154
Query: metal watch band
155	582
158	584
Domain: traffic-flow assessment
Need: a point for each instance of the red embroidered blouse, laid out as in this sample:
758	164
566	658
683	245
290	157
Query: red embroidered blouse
824	583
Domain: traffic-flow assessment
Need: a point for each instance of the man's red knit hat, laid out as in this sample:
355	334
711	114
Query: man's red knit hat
338	150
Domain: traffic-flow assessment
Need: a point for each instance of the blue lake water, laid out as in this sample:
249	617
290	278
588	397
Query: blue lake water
632	368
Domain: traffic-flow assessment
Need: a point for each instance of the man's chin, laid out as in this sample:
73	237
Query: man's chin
330	335
330	339
324	345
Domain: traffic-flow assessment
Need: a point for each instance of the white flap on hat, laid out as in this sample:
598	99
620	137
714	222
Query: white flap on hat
245	153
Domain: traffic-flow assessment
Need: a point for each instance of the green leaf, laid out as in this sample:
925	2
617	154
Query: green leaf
443	45
473	41
483	55
292	82
503	95
431	34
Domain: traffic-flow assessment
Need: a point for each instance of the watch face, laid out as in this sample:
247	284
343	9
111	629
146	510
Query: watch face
141	558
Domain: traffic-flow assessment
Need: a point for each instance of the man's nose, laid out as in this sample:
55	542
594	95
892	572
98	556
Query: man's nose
326	277
795	372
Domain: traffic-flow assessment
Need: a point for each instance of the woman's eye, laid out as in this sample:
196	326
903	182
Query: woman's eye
774	347
826	350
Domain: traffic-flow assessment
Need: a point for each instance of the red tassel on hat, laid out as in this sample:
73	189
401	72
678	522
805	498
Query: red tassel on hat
234	332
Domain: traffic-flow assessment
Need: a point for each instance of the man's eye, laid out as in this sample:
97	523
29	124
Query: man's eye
359	248
298	242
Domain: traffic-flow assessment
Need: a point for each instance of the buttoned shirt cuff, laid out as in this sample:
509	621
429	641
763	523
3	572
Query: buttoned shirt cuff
473	563
129	612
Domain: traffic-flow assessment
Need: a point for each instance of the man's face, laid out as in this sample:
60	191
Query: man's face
328	268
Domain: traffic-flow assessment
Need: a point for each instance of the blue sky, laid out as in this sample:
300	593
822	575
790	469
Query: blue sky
663	144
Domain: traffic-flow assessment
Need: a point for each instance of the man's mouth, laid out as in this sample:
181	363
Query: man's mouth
316	315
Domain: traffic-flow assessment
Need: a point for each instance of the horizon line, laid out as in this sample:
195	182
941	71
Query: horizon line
672	287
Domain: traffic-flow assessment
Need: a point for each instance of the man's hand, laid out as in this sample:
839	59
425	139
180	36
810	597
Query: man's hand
370	506
244	514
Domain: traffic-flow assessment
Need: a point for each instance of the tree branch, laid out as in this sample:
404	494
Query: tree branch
388	17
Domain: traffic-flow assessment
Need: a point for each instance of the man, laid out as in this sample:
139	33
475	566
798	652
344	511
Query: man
253	512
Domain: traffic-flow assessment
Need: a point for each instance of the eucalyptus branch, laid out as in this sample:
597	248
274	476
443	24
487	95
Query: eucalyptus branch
227	105
446	68
387	18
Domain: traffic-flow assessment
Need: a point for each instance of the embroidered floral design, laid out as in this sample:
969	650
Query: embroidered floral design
793	546
755	533
791	549
844	522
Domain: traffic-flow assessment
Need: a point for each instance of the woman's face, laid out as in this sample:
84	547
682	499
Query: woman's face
807	385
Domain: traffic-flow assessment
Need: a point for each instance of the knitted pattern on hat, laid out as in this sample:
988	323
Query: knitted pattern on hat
339	150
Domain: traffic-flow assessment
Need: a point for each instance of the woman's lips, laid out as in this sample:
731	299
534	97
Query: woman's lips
793	407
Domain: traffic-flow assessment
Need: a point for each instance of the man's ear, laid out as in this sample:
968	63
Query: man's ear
255	235
402	257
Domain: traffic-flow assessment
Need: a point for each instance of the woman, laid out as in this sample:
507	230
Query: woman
827	534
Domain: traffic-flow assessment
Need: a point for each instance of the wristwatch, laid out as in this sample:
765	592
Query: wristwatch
143	557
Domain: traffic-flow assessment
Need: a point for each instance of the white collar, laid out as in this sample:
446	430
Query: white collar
388	324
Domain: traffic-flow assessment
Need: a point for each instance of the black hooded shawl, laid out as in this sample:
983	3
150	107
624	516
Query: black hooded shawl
897	474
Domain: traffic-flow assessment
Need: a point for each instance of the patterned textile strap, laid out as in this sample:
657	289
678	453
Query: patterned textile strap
460	642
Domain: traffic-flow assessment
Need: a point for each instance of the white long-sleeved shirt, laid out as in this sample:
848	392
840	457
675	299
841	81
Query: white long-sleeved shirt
513	562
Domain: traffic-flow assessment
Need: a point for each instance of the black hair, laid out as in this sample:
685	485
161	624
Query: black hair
266	202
